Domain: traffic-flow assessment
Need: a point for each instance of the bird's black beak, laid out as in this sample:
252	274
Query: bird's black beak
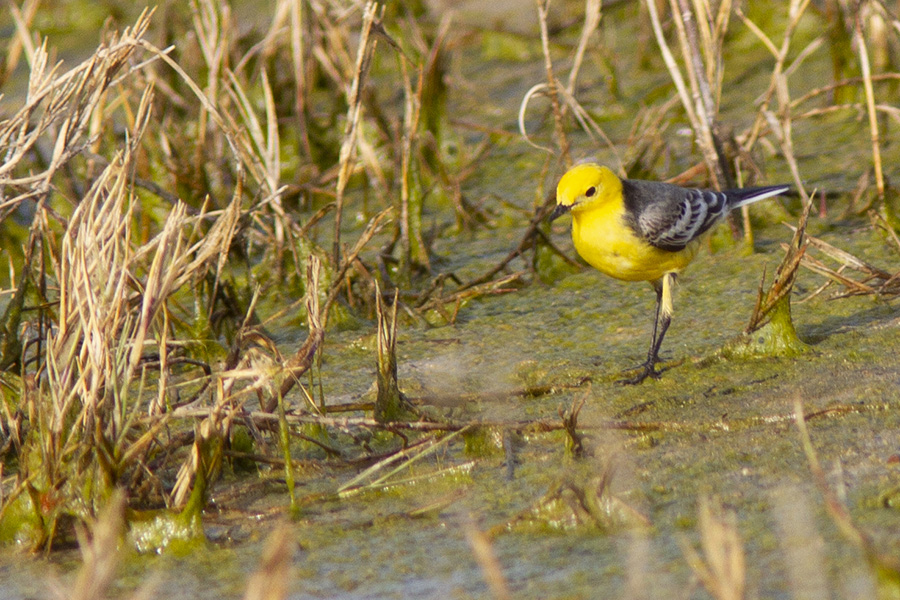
559	211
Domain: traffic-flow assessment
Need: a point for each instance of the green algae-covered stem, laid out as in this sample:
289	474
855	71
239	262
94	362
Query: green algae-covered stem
388	402
771	331
284	437
208	446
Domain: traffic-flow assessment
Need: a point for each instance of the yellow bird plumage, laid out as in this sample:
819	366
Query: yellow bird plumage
643	231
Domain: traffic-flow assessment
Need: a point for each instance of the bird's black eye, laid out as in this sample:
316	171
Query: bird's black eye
590	191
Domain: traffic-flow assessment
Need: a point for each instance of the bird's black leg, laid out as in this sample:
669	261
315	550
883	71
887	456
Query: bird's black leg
660	325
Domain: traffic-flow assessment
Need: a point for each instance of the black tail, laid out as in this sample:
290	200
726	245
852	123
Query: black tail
744	196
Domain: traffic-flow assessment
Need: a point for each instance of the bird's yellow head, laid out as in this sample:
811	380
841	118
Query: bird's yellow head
585	185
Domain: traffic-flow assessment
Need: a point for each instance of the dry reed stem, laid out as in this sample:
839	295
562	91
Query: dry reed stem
354	114
410	224
553	86
672	66
212	24
22	41
870	103
705	108
783	129
826	89
299	62
590	126
373	227
891	111
592	15
265	147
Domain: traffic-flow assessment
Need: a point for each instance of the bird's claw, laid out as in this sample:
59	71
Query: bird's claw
647	370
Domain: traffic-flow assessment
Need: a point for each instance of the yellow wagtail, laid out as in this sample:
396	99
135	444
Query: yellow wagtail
643	231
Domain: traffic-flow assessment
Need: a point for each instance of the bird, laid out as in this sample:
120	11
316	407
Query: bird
636	230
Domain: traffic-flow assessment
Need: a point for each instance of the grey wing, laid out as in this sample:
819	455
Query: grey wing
676	219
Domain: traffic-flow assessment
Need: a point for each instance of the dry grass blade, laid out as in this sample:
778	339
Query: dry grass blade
59	107
373	227
593	12
271	578
212	22
302	360
87	364
255	358
536	89
554	89
237	142
860	44
483	550
852	286
354	114
264	148
722	568
590	126
299	45
201	467
408	456
874	280
574	440
22	40
843	257
801	544
112	292
100	556
99	552
886	568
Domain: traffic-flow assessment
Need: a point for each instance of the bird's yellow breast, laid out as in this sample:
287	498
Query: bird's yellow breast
607	243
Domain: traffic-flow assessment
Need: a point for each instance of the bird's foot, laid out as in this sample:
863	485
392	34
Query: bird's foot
648	369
